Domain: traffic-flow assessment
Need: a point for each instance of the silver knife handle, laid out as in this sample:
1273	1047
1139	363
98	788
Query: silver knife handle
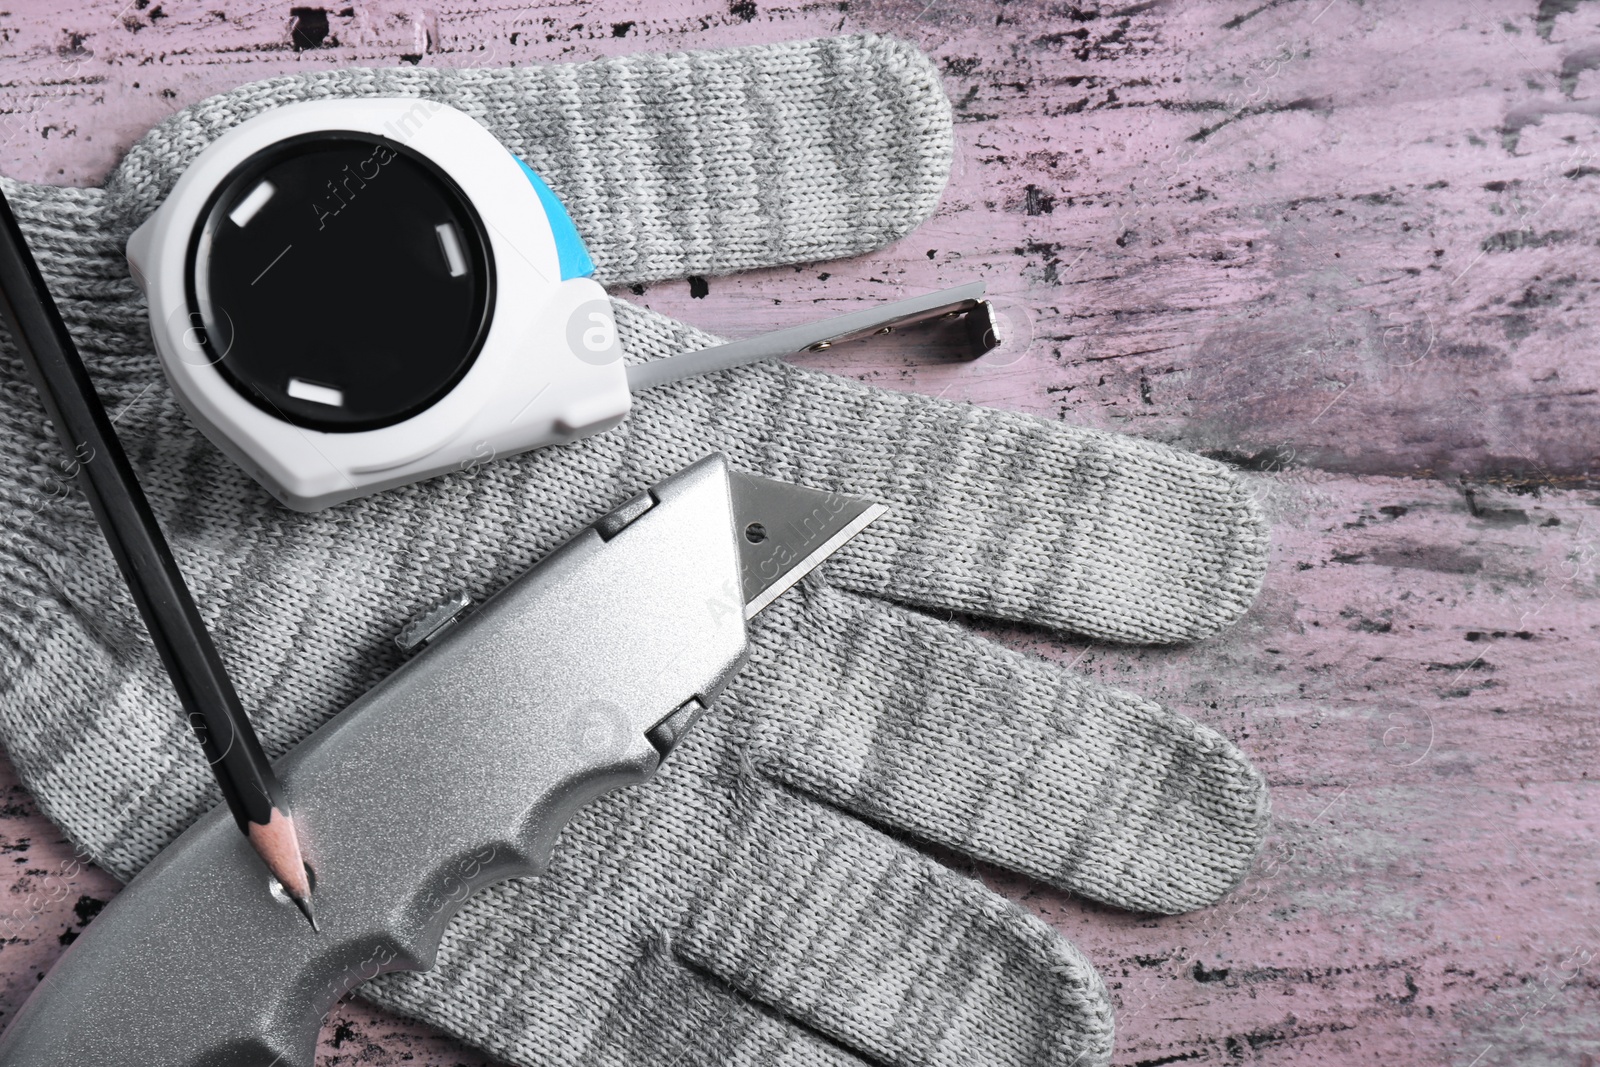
457	770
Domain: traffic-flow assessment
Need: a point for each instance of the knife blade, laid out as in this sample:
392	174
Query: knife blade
786	531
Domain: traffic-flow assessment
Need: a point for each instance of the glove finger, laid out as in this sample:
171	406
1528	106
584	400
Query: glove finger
681	1016
690	163
883	950
666	1014
929	729
990	513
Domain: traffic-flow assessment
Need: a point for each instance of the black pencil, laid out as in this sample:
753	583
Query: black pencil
207	695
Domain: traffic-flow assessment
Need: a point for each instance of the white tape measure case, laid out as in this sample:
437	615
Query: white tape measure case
350	295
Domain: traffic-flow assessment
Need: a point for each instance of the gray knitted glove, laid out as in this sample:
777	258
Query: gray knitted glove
757	902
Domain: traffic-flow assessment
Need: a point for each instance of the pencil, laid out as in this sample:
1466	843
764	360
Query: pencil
229	742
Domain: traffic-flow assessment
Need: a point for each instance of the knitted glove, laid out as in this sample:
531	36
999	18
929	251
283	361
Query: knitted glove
758	901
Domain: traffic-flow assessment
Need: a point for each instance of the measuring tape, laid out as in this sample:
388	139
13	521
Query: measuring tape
351	295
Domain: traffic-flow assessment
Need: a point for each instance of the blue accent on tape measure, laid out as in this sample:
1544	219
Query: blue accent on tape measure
570	253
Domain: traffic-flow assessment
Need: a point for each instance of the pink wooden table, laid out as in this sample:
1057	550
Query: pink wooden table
1349	246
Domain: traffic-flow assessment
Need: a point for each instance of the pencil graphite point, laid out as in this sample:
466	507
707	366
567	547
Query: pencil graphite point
279	848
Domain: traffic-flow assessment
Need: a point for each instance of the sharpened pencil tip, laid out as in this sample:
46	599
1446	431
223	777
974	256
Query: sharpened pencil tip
279	848
305	909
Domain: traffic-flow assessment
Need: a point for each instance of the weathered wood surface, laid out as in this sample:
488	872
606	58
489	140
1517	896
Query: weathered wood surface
1349	245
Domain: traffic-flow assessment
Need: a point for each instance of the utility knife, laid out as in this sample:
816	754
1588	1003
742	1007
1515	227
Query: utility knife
457	770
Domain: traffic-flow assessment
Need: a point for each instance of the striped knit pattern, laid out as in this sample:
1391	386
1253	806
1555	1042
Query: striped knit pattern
670	165
757	903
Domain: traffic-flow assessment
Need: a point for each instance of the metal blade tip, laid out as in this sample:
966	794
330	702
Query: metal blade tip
786	531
